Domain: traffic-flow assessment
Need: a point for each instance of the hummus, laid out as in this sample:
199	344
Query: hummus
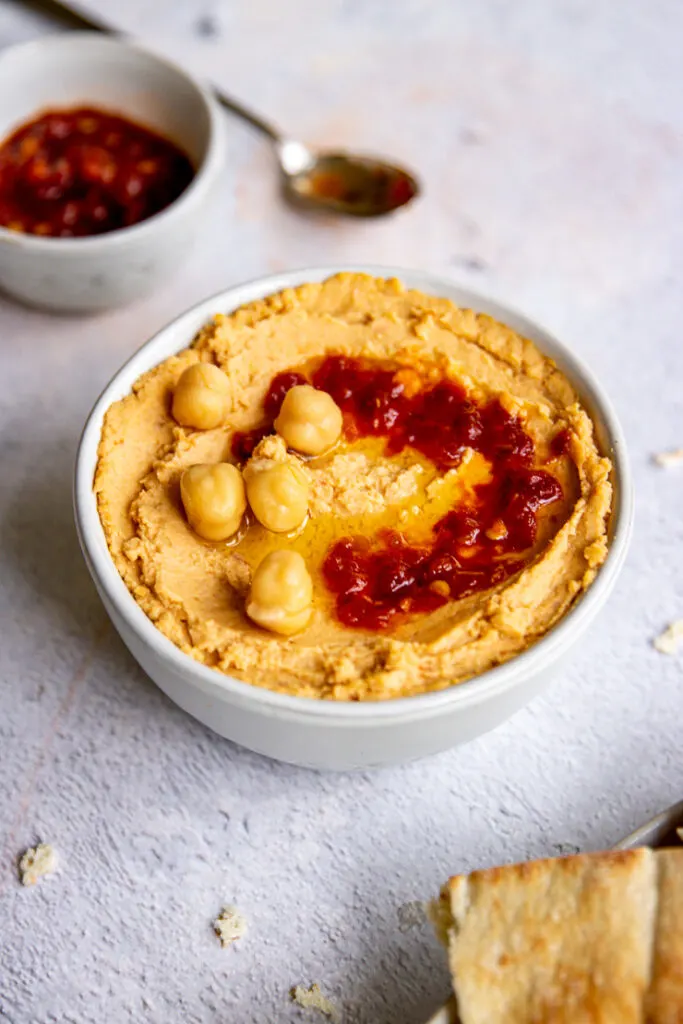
194	591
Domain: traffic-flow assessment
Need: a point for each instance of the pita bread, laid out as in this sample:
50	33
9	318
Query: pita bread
664	1004
562	941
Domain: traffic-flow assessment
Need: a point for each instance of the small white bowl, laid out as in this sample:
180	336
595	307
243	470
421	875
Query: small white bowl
330	734
86	69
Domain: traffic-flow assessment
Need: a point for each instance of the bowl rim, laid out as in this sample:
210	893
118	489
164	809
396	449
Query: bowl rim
211	158
489	683
654	830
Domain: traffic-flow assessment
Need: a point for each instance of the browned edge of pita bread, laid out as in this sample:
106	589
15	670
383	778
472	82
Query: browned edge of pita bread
664	1002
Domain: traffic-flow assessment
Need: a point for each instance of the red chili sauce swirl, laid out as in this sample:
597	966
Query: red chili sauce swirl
380	580
74	173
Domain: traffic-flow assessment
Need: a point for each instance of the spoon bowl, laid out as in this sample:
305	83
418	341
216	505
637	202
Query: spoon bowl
343	183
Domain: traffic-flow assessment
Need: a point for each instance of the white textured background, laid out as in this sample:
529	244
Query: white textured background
549	136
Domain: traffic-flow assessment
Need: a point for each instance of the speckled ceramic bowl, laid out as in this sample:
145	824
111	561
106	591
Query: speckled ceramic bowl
330	734
85	69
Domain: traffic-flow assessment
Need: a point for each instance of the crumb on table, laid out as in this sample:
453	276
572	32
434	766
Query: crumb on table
36	862
230	925
669	459
313	999
671	639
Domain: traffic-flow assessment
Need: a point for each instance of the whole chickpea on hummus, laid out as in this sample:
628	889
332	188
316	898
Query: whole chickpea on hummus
354	491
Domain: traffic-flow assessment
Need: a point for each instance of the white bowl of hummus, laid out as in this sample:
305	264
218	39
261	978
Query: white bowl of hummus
352	517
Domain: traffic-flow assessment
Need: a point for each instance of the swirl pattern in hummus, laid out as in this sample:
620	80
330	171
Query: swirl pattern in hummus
194	590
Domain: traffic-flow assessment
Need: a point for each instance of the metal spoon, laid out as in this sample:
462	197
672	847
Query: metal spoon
335	182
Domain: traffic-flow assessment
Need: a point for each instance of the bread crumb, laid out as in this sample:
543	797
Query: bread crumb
313	999
411	915
671	639
669	459
230	925
38	861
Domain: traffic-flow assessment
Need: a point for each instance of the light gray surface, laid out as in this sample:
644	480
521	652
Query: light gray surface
550	140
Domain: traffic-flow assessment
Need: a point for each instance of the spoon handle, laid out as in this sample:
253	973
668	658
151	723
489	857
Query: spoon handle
247	115
75	18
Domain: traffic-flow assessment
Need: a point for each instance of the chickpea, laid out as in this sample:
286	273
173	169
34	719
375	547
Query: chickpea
281	595
310	420
202	396
278	496
214	500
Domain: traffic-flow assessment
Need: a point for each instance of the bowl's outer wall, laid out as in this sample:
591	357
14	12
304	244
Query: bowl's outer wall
313	733
332	746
